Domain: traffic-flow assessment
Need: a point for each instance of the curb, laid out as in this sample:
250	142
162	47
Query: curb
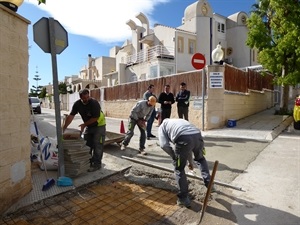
277	130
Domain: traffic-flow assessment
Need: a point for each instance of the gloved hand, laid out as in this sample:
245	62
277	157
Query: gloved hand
203	151
190	166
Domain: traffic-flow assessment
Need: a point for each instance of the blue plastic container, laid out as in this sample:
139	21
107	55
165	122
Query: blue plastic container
231	123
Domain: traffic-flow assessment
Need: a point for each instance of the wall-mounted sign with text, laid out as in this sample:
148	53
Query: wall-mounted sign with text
216	79
197	103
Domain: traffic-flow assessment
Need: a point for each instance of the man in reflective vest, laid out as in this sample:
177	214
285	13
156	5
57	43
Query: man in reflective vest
93	126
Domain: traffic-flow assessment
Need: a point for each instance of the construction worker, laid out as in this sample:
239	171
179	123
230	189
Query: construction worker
139	114
186	139
94	126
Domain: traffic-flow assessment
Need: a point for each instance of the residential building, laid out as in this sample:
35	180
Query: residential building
91	75
165	50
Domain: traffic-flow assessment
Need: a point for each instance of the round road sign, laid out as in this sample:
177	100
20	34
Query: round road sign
198	61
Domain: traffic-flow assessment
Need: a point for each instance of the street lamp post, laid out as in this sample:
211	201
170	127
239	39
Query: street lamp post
217	54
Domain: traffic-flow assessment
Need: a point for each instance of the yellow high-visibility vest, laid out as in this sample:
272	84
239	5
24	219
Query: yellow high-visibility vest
101	120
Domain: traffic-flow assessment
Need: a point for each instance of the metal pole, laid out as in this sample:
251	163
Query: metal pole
61	166
203	76
172	171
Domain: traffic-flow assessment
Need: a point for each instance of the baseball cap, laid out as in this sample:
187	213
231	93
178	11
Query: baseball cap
152	100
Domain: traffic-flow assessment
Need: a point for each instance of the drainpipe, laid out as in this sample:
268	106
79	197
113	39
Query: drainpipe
203	108
175	51
210	32
250	57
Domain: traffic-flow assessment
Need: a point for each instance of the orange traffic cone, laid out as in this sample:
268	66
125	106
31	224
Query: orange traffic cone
122	129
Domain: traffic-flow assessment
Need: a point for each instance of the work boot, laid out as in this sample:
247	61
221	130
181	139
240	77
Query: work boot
142	151
213	189
94	168
184	202
123	147
150	136
91	162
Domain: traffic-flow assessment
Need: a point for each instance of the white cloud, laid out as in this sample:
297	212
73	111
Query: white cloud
102	20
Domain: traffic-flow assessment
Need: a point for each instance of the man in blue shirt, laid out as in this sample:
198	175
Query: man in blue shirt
150	121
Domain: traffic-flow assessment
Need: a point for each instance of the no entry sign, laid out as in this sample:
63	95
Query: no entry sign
198	61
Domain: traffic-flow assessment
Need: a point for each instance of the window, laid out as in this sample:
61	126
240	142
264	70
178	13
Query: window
192	46
141	44
180	44
166	70
243	19
153	71
221	27
133	77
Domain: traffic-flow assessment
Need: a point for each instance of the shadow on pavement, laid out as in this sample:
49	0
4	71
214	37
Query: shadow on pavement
247	212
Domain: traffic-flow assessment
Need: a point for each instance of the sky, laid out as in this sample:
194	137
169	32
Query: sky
95	26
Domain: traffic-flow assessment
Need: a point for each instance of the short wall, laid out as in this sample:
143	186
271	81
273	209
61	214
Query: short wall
217	111
15	165
222	105
238	106
219	105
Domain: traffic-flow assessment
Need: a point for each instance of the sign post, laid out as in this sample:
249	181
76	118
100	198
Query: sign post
199	62
52	38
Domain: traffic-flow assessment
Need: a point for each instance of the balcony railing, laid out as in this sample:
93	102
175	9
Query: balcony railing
158	51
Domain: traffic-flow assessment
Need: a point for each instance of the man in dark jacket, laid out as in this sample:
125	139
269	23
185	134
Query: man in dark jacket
183	102
166	99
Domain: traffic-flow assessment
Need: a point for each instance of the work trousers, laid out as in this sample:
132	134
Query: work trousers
150	123
183	146
183	111
131	125
95	138
165	113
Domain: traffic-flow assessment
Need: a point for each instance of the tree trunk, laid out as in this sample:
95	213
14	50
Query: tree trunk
284	95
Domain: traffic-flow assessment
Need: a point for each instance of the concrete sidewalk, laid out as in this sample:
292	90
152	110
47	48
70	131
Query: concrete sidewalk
263	126
271	188
271	184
